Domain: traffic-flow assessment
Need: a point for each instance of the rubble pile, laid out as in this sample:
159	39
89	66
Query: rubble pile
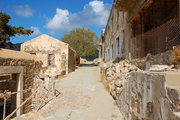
97	61
117	75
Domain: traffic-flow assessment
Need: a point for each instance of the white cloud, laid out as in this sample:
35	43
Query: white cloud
101	10
94	13
98	6
61	19
24	10
36	31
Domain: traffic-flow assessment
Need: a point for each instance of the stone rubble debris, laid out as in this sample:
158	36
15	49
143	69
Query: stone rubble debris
97	61
117	75
161	68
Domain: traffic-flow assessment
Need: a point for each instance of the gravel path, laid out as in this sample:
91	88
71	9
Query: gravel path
83	97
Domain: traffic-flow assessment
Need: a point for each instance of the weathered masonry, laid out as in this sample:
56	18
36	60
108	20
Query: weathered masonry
139	27
141	50
58	57
143	95
18	71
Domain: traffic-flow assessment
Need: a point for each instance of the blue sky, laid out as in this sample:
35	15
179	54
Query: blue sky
56	17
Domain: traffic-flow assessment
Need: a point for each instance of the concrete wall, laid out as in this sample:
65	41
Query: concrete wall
144	97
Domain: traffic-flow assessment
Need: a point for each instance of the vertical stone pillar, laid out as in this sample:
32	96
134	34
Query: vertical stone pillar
179	10
20	94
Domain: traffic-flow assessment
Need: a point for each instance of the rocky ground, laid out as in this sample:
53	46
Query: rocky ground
83	97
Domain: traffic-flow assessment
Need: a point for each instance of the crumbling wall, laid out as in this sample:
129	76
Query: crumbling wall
45	92
140	95
31	68
50	46
144	96
164	58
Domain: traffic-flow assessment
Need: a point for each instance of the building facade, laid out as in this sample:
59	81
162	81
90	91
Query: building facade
139	27
58	57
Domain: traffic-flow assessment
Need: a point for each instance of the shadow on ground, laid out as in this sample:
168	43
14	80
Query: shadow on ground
89	64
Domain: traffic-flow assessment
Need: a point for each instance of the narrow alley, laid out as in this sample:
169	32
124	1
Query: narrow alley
90	60
83	97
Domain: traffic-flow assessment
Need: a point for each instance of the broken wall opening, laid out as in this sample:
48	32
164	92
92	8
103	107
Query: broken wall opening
51	59
8	83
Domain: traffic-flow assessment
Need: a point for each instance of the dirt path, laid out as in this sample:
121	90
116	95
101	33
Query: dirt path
83	97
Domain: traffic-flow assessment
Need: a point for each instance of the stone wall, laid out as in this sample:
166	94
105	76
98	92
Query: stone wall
33	79
141	95
145	97
31	68
64	57
160	59
71	60
130	27
118	27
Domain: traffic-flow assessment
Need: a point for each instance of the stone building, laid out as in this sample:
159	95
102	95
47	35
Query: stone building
146	34
139	27
101	45
58	57
18	72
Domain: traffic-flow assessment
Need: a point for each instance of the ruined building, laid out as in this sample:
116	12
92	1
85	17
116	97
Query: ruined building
146	34
139	27
58	57
18	80
27	77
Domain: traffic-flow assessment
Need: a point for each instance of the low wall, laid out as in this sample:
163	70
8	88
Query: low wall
161	59
145	97
142	95
170	57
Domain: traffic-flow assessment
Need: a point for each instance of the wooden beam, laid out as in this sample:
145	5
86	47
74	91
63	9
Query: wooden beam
144	7
5	77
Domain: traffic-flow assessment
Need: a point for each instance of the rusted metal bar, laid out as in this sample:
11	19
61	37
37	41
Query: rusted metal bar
9	116
4	110
7	94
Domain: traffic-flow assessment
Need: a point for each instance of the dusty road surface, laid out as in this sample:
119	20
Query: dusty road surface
83	97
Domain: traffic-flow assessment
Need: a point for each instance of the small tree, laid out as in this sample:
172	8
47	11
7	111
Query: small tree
83	41
6	30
